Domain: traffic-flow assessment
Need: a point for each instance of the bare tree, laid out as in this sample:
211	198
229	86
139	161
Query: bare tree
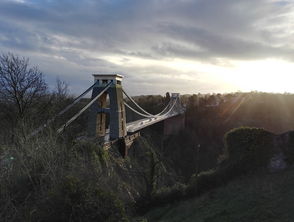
20	84
61	90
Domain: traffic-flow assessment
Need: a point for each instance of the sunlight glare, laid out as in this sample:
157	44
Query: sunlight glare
266	76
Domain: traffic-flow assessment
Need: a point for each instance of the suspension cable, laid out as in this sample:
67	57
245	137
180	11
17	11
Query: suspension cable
155	115
136	104
148	116
171	108
133	101
76	100
141	114
162	112
62	128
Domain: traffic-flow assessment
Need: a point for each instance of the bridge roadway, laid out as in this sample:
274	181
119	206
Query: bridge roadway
137	125
142	123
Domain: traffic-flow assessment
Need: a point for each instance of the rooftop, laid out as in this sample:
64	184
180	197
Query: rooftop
107	75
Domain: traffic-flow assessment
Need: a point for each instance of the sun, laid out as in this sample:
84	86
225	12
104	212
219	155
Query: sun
266	76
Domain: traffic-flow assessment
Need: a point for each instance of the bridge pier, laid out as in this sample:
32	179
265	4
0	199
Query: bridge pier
173	125
126	142
97	120
117	115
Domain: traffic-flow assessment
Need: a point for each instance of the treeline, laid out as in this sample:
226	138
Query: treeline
209	116
267	110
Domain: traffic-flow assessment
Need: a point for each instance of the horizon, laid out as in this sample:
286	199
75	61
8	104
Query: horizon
190	47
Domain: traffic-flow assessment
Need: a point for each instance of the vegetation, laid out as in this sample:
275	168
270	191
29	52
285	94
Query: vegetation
257	197
49	180
247	149
50	177
21	86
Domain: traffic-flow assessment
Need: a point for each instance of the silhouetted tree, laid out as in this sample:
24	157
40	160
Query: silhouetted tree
61	89
20	84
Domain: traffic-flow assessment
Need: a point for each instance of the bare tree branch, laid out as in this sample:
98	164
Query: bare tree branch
20	84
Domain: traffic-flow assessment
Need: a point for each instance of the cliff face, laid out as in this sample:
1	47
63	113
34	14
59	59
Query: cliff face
140	173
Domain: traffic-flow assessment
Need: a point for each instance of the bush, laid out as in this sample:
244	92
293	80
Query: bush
91	152
248	148
245	150
35	186
203	182
169	194
211	179
74	200
162	196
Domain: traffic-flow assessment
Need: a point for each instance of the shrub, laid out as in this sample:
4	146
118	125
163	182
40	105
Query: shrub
248	148
245	150
91	152
169	194
203	182
162	196
214	178
74	200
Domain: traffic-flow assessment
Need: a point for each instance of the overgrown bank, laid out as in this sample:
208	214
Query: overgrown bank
247	150
50	178
257	197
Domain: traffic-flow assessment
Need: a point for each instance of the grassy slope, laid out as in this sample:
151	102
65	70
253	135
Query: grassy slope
260	197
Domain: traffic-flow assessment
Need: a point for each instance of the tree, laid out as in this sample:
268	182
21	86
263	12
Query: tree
20	85
61	89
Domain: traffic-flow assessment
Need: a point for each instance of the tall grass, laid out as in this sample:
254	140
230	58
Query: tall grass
49	179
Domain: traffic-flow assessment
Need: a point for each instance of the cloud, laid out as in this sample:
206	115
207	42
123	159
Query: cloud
70	38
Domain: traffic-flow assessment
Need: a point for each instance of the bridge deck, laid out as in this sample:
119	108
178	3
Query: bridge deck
142	123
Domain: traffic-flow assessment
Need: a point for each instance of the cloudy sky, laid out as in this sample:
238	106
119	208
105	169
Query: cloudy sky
185	46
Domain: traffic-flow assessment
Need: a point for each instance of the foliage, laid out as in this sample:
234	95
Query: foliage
257	197
75	200
168	194
70	178
45	179
248	147
164	195
91	152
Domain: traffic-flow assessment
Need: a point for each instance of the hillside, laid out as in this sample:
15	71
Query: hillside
197	174
253	183
258	197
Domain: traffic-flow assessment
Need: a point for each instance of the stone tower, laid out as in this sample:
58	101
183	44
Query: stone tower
117	115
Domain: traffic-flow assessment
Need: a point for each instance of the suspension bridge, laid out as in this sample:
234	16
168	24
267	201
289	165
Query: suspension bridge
110	99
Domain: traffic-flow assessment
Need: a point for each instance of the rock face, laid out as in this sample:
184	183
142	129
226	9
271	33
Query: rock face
277	162
283	151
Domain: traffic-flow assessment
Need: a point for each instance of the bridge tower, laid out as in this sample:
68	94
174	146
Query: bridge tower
99	109
175	124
